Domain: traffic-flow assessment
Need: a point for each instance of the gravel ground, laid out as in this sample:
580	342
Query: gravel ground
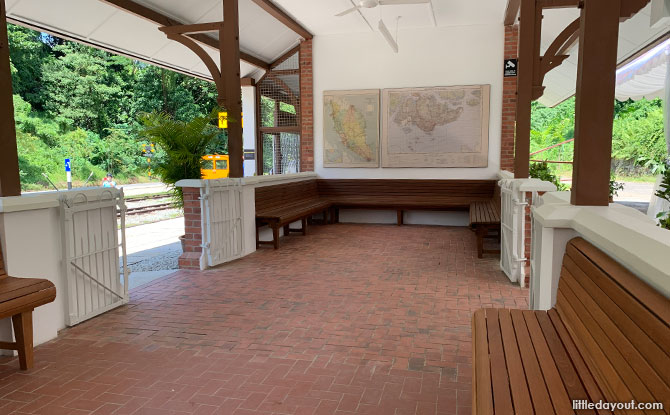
152	260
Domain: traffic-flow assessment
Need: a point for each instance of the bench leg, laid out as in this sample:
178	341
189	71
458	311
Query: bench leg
304	226
481	232
275	236
23	331
287	229
400	217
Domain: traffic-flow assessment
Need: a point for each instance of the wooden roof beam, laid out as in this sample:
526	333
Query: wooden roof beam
189	29
160	19
512	12
284	18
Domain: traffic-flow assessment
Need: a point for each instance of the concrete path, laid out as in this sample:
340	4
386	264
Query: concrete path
153	250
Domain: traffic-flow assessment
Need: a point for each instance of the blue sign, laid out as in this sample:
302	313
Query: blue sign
67	165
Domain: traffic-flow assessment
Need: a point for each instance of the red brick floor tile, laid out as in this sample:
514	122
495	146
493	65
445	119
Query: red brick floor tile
350	319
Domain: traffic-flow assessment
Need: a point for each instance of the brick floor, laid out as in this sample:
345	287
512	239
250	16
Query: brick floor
351	319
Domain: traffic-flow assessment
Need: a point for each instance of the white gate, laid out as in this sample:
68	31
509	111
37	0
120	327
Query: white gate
90	243
223	214
512	249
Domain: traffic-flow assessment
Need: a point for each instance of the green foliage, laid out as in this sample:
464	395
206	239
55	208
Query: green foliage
638	136
183	142
615	186
664	193
543	172
638	144
73	101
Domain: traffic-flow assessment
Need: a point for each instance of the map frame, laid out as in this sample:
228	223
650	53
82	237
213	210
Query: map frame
437	160
350	92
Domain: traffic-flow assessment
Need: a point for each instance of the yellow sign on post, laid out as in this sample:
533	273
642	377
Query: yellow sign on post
223	120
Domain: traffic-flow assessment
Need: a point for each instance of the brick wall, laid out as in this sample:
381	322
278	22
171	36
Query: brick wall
509	102
307	107
190	258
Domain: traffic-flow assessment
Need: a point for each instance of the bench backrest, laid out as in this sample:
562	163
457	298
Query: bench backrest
456	192
269	197
620	325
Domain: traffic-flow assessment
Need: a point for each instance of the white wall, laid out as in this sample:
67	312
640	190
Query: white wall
457	55
32	248
249	132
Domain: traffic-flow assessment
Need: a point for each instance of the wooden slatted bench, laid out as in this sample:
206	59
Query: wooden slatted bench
485	221
18	299
280	205
608	338
403	194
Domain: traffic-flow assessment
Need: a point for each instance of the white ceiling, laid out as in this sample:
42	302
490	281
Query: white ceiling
318	16
262	36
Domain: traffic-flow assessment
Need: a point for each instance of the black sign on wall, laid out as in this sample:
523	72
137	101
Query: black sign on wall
249	154
511	66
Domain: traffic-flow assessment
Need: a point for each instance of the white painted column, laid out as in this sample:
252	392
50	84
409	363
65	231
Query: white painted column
249	130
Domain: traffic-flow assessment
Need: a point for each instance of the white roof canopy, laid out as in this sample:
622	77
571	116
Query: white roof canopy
98	23
646	76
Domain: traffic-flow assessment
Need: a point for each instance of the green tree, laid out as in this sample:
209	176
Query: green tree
84	88
27	53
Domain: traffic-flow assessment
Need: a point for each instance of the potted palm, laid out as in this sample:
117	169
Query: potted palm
181	145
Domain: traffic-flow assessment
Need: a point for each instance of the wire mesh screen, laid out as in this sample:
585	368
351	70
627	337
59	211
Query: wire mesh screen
281	153
280	117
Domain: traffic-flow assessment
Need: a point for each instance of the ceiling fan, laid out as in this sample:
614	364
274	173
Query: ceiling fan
369	4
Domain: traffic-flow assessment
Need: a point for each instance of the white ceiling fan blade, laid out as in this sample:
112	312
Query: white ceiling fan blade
353	9
401	2
387	35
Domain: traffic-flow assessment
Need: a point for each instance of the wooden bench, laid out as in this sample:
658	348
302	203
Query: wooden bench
18	299
608	338
403	194
485	221
279	205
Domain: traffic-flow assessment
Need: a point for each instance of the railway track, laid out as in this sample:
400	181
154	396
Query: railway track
140	210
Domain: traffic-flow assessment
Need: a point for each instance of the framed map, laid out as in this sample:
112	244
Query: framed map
436	127
351	128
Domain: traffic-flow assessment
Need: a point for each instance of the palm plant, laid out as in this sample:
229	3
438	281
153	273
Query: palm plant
183	144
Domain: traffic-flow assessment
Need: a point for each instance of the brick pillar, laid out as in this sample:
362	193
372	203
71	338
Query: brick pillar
509	102
306	107
190	259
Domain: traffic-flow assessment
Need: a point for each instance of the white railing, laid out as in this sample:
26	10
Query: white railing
512	226
515	201
90	258
222	220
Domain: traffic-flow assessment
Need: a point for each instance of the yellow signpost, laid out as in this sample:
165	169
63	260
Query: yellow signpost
223	120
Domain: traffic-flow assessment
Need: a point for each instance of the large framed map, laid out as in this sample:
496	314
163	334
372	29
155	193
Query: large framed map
351	128
436	127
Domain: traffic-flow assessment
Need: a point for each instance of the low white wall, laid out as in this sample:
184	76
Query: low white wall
31	237
625	234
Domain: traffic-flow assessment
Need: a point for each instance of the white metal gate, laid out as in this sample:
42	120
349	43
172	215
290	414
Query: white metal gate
90	243
222	233
512	249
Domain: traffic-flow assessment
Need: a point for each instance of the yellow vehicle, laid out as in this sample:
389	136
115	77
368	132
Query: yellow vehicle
215	166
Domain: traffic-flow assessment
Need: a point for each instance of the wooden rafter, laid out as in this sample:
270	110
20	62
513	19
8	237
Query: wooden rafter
559	4
188	29
554	56
512	11
204	56
160	19
283	17
284	57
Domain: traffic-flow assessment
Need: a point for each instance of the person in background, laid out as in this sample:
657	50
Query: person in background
108	181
